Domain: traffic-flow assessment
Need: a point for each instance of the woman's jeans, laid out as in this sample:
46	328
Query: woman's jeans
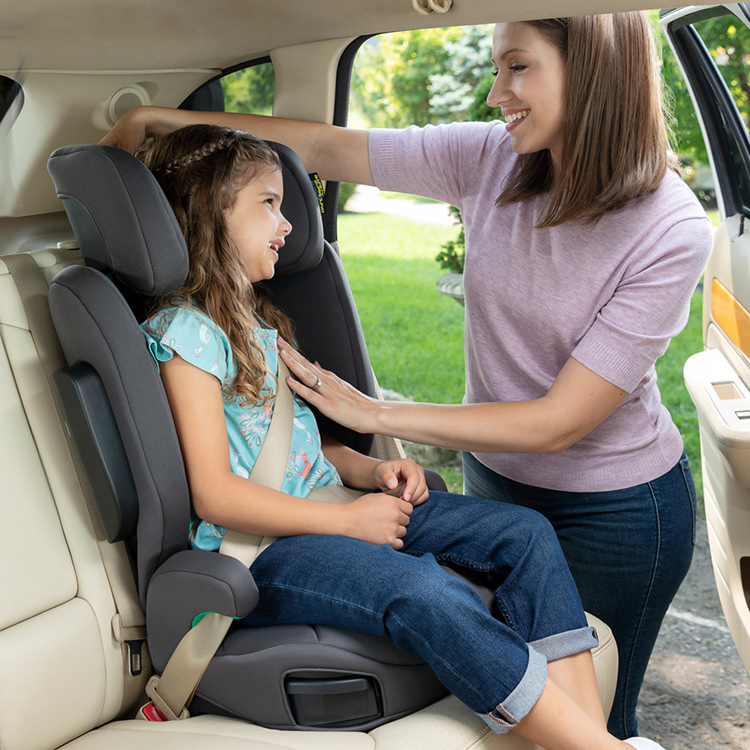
496	665
628	551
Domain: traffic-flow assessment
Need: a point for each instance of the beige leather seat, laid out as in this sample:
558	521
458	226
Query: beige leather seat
62	669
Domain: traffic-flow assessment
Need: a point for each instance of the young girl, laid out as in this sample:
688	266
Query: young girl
530	670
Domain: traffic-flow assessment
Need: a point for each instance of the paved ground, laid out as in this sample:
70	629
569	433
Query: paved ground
696	695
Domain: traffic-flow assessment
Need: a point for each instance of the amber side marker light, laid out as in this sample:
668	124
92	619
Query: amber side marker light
730	316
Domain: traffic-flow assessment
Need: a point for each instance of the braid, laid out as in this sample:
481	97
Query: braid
198	154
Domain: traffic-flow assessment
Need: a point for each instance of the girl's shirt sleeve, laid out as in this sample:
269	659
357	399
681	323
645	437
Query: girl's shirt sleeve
195	337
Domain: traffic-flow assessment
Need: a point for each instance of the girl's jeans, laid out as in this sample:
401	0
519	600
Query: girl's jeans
628	550
496	665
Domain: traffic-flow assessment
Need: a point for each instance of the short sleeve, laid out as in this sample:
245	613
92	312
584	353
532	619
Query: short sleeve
195	337
444	162
649	307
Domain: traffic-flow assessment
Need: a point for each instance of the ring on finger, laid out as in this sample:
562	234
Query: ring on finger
318	383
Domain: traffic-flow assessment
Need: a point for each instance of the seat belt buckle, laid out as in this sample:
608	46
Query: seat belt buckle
150	712
157	709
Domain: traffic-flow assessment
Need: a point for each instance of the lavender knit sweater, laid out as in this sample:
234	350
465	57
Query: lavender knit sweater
611	295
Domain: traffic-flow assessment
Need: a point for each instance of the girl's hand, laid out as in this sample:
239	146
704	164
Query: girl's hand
379	519
402	478
335	398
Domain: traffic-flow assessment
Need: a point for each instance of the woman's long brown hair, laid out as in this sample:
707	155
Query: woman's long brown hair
615	138
201	168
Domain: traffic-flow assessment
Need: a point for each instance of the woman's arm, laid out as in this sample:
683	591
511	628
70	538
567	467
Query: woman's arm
578	401
223	498
334	153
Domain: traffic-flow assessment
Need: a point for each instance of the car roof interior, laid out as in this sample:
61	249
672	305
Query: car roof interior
72	57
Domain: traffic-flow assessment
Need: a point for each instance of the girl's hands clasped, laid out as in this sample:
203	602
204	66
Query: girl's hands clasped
379	519
402	478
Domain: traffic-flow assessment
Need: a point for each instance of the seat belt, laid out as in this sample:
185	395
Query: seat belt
172	692
129	621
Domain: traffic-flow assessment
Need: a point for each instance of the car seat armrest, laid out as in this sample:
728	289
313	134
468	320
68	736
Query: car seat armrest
196	581
435	481
187	585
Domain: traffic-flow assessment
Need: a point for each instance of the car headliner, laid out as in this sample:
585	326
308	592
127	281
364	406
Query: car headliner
159	34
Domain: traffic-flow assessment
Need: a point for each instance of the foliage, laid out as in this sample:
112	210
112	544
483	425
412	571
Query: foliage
419	77
249	90
346	190
451	257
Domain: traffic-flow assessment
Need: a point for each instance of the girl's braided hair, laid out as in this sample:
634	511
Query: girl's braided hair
201	168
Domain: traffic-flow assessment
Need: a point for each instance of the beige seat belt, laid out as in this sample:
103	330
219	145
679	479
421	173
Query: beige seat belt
129	622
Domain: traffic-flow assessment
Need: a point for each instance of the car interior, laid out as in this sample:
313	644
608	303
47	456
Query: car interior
98	584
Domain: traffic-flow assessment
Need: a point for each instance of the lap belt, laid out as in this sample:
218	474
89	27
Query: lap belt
172	692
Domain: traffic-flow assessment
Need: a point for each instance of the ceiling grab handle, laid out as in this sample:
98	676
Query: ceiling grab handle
425	7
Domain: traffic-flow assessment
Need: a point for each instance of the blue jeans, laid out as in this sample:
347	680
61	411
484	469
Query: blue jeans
496	665
628	551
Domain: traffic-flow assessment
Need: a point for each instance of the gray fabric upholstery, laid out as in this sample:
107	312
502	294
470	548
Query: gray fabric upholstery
139	241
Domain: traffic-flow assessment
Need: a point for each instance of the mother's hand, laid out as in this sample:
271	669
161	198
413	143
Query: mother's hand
333	396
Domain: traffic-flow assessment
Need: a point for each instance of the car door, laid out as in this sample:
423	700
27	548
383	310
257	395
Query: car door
712	46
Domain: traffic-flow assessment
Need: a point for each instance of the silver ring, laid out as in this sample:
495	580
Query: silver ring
318	383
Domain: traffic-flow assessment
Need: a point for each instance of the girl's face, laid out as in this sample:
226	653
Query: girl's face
529	88
256	225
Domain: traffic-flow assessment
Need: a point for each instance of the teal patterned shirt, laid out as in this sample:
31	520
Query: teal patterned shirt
189	332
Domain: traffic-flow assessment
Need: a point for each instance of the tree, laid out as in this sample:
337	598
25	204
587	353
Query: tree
249	90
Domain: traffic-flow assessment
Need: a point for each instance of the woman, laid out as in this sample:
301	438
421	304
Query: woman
583	250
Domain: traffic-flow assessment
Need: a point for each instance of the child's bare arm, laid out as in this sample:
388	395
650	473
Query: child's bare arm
400	477
223	498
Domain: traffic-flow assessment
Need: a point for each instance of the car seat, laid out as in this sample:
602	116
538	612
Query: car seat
281	677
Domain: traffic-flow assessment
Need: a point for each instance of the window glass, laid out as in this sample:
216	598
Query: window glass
728	42
249	89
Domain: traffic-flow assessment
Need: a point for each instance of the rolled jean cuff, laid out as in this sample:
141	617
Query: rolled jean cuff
509	713
570	642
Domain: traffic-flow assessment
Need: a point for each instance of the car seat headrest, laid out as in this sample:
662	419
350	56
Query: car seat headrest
124	223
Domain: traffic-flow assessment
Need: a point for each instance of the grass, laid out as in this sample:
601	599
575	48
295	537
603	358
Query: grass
415	335
674	394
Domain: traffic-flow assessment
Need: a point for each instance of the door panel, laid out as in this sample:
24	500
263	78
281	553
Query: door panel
709	44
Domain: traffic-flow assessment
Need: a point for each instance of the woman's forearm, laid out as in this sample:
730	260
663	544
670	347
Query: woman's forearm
575	404
335	153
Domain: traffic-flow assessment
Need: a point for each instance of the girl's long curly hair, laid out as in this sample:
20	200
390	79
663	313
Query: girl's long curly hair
201	168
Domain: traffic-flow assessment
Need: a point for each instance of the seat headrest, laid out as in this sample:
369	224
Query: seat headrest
124	223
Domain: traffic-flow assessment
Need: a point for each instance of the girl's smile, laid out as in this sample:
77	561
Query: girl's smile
256	225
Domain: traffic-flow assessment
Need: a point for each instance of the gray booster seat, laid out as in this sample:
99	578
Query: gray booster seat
285	677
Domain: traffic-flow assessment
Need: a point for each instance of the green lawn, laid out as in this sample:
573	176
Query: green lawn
415	335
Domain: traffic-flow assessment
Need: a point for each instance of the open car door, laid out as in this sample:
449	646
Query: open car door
712	46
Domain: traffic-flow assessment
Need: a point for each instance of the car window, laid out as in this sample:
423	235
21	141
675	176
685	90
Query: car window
248	88
714	46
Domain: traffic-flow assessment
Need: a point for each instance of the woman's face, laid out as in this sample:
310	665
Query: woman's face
529	88
256	225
